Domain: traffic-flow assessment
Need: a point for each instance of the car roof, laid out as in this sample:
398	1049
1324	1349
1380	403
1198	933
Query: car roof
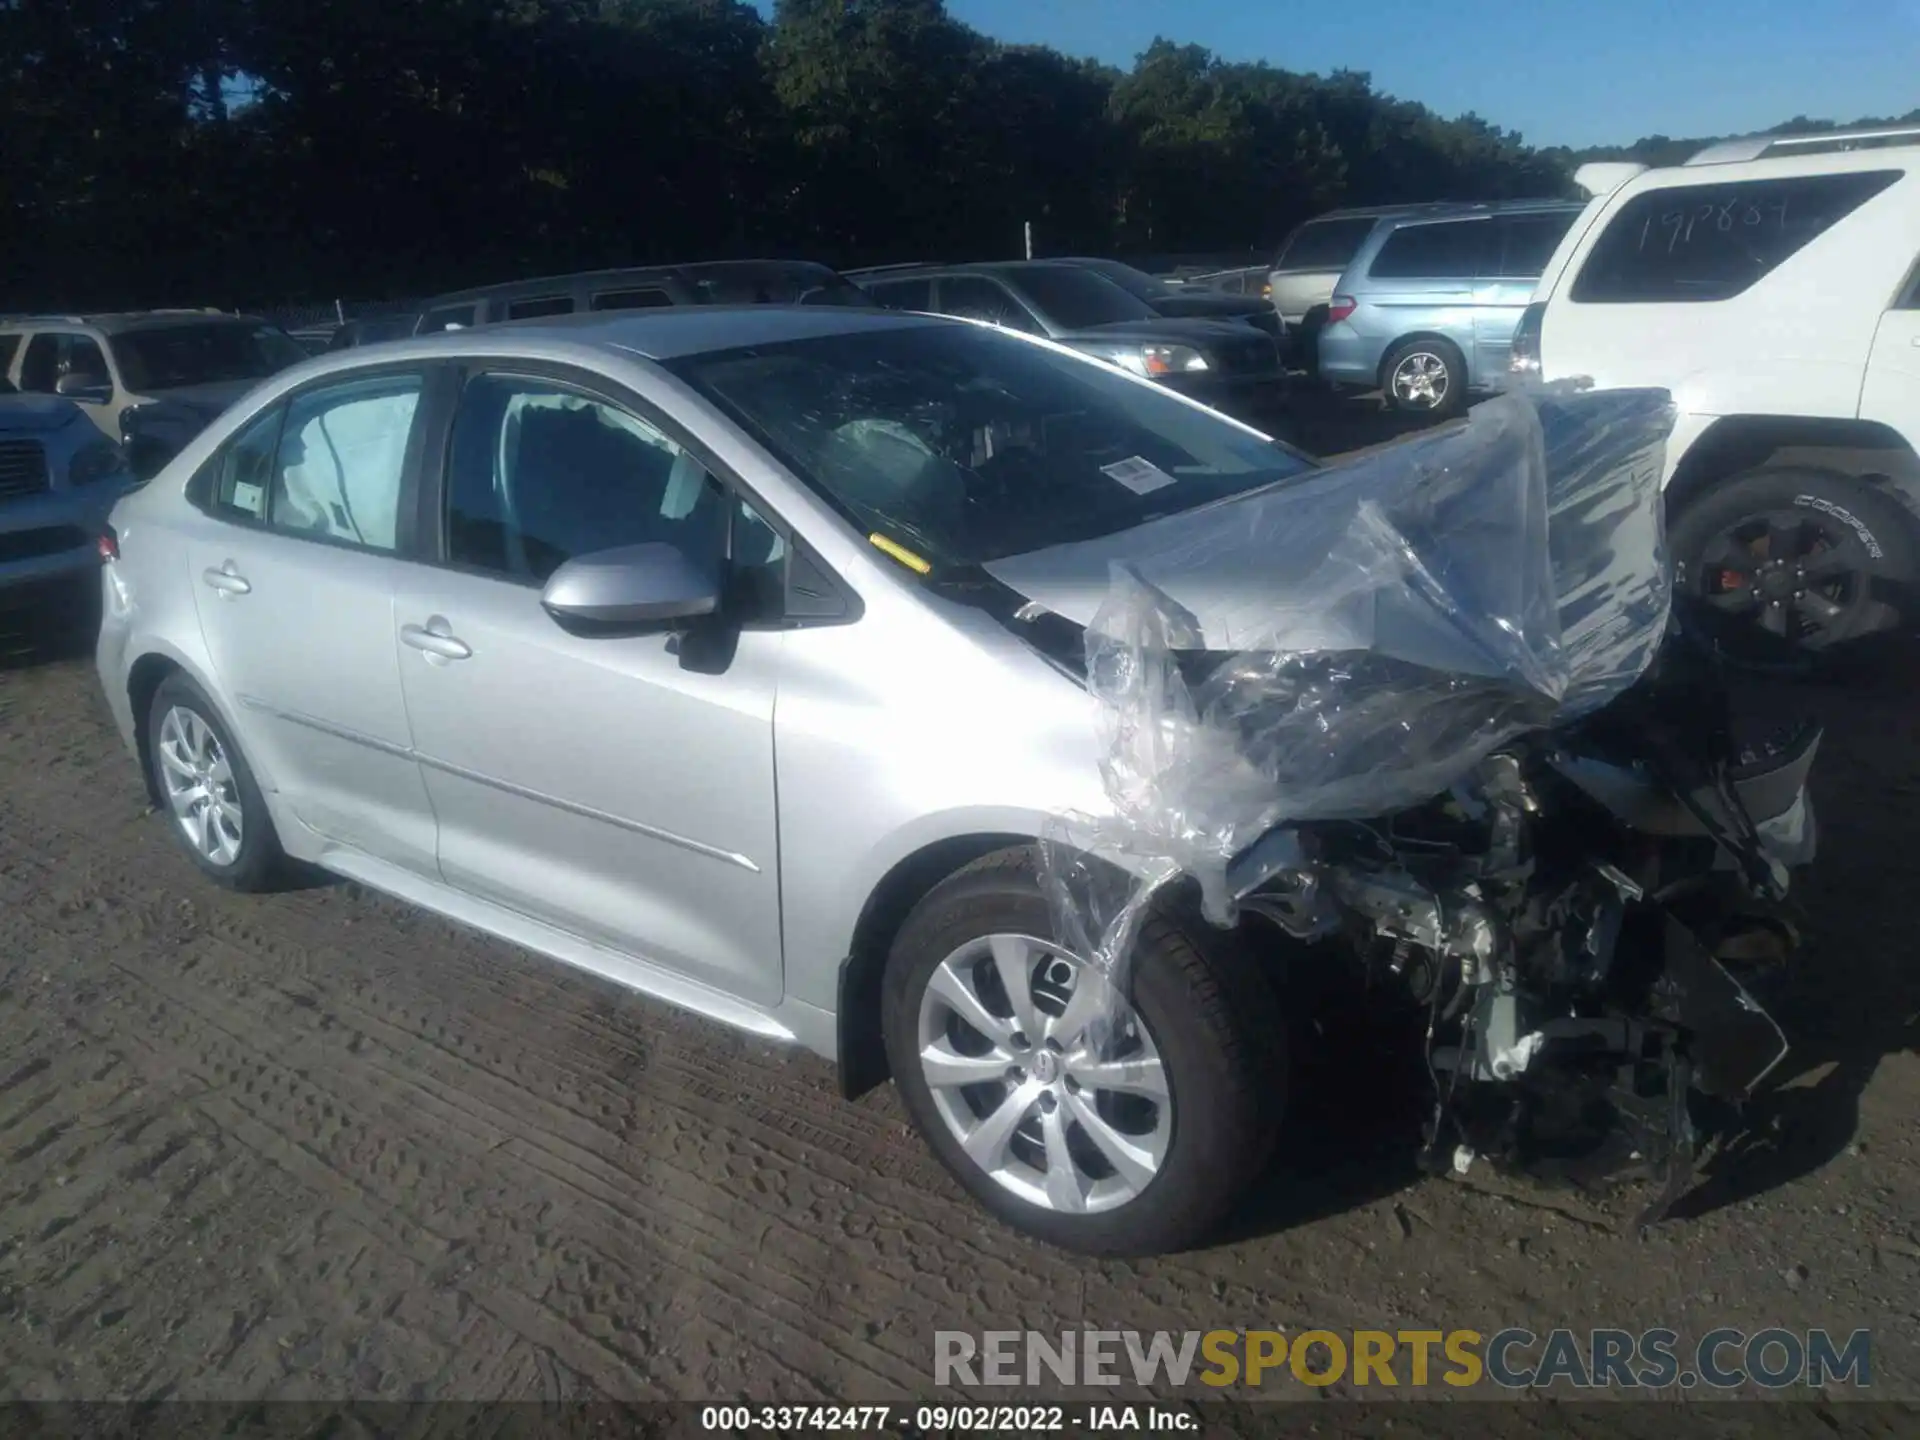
625	274
119	322
668	333
970	267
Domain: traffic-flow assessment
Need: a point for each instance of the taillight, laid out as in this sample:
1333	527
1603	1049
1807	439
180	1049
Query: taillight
109	544
1340	307
1524	358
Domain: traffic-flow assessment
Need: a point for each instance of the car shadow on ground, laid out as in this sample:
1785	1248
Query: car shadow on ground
1853	998
1327	423
48	624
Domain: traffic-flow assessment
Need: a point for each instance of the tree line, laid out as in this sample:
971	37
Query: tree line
262	151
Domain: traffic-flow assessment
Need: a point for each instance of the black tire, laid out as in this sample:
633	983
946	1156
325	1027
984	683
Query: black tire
1211	1015
1861	543
1451	401
260	864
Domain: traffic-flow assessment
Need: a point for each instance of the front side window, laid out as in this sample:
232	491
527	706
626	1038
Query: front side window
1701	243
172	357
1439	250
967	446
540	474
340	460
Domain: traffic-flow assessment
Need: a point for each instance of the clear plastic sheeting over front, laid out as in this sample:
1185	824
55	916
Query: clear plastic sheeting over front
1352	642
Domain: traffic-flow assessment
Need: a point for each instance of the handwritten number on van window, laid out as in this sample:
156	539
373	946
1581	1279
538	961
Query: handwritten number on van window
1673	229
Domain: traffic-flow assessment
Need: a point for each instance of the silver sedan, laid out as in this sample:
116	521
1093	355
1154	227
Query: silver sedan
699	650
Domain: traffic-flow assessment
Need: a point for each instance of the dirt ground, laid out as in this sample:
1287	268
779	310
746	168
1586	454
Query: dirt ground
315	1145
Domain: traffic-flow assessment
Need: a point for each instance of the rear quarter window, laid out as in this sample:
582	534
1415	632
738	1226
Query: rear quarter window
9	347
1701	243
1325	244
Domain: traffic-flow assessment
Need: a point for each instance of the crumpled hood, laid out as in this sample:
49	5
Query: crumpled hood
37	414
1526	545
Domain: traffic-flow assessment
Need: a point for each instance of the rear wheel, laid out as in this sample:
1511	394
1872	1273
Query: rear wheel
1425	376
1131	1137
1794	563
212	803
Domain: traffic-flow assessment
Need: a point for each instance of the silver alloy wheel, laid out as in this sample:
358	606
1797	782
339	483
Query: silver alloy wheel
1421	380
1050	1082
200	787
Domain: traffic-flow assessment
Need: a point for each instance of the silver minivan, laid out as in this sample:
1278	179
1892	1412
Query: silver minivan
1428	306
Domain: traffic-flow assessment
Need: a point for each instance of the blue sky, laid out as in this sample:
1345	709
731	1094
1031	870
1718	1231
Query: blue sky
1571	72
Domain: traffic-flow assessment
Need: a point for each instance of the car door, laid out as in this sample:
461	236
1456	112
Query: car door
1891	391
617	786
1519	251
292	569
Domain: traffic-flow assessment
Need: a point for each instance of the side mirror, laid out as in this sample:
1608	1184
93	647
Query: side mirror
648	586
76	385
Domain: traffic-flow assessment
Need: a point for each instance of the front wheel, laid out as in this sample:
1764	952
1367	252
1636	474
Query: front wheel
1109	1125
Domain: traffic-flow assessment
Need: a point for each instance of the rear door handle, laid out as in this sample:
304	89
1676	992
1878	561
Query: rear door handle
436	640
227	580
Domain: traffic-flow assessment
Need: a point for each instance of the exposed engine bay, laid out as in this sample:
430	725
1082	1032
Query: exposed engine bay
1575	918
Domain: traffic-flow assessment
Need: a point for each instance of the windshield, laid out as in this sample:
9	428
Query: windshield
171	357
967	445
1075	298
1136	283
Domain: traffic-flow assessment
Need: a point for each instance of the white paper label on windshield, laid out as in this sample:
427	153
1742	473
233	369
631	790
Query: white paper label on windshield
248	498
1142	477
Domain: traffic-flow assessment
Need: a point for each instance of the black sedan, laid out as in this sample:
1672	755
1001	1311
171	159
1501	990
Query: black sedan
1223	362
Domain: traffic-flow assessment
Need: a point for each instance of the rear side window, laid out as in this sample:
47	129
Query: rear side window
9	347
903	294
1527	242
1325	244
1441	250
650	298
1696	243
448	317
537	305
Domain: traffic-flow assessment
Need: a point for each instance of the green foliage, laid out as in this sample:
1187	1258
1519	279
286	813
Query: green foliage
252	151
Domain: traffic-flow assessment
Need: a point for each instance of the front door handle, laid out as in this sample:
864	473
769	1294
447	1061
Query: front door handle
436	639
227	580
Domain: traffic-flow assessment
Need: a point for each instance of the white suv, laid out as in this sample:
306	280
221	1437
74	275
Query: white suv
1772	285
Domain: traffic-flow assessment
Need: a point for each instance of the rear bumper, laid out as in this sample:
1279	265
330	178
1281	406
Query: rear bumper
53	536
1348	357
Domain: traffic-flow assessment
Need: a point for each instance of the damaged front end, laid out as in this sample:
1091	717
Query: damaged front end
1438	709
